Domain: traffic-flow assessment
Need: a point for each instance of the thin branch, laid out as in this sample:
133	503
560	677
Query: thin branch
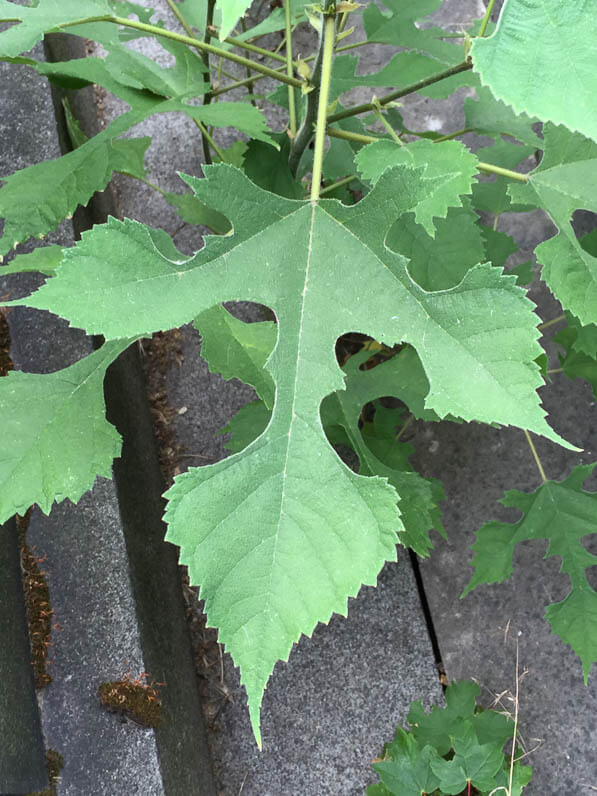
402	92
290	71
483	28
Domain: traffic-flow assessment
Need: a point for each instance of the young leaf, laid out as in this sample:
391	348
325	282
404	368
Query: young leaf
472	762
46	16
312	531
563	182
551	74
408	771
576	362
563	513
55	437
437	728
451	164
238	350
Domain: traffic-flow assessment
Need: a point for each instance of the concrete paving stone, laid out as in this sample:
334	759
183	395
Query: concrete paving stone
87	566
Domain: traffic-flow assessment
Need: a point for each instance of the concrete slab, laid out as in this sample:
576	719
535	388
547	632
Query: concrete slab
114	584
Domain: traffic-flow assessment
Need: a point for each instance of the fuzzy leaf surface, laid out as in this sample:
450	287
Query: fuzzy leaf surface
56	439
551	75
564	182
279	536
451	164
563	513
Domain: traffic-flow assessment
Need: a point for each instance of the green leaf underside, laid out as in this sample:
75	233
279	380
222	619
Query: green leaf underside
312	530
564	182
451	164
56	439
551	75
563	513
48	15
238	350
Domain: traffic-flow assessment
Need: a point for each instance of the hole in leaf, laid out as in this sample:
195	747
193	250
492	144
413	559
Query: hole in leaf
584	224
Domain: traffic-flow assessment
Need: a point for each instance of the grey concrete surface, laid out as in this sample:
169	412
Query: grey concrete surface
87	567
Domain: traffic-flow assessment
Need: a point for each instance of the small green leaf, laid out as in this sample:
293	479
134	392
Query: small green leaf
563	513
246	425
56	439
238	350
551	74
43	259
408	772
472	762
193	211
451	165
232	11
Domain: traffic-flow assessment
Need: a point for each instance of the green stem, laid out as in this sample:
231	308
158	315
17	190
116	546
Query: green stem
191	42
210	140
536	456
250	89
334	132
547	324
388	126
338	184
406	425
207	98
486	18
290	71
450	136
554	370
329	37
179	16
402	92
252	48
491	169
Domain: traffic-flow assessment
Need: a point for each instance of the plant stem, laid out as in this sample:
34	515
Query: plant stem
207	98
536	457
450	136
402	92
289	71
388	126
210	140
547	324
244	45
179	16
516	697
513	175
482	30
191	42
347	135
554	370
338	184
250	89
329	36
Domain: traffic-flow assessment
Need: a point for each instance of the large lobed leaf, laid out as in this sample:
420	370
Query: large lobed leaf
279	535
55	437
563	513
564	182
541	60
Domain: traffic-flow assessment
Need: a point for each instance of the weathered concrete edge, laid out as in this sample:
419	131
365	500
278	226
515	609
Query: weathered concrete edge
181	739
22	762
